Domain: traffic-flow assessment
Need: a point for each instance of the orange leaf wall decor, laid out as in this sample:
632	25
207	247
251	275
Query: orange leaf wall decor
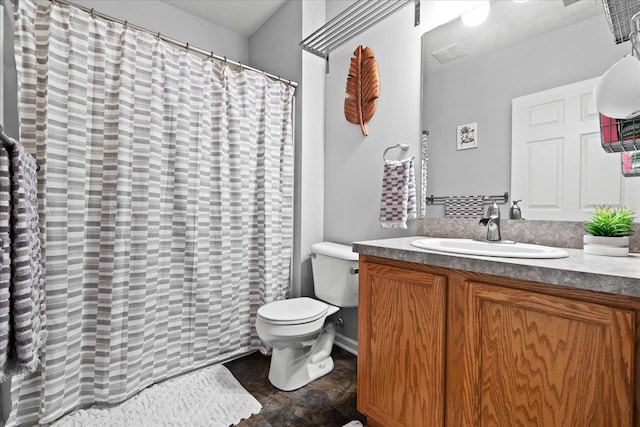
363	88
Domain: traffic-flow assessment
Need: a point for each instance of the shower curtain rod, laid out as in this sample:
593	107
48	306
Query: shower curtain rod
174	42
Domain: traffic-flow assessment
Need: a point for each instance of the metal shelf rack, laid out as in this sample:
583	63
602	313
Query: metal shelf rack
357	18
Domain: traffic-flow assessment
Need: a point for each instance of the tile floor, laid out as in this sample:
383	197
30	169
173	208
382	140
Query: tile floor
329	401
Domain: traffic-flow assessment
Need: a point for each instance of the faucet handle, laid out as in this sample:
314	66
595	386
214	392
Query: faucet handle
493	211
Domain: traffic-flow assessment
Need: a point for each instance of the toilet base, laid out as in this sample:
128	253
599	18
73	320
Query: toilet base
292	368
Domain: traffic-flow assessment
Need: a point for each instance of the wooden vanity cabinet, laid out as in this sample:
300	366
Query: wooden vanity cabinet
401	339
539	360
446	347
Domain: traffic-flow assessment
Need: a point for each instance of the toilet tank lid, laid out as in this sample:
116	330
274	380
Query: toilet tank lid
335	250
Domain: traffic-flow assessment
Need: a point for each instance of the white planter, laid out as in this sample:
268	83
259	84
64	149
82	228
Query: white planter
608	246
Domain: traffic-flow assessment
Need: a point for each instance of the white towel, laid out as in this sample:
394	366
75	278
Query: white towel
398	203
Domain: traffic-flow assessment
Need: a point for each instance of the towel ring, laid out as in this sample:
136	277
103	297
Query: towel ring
403	147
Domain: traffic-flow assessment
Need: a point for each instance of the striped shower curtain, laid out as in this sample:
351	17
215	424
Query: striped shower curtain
166	189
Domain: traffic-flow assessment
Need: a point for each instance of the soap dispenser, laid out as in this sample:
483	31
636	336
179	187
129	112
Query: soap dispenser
514	212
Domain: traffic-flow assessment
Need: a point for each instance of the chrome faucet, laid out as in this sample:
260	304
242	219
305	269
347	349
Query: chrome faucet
492	221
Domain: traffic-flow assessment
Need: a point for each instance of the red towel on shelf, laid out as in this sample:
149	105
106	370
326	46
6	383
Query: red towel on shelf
609	128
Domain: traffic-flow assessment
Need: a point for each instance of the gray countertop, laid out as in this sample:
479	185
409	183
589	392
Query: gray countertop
615	275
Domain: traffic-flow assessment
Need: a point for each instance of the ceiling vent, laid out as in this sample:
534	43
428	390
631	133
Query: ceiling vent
450	53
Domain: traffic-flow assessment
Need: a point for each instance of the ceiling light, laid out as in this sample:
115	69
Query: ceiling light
477	15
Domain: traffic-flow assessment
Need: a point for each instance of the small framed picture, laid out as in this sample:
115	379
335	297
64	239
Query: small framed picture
467	136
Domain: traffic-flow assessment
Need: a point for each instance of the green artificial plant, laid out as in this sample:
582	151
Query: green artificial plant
610	222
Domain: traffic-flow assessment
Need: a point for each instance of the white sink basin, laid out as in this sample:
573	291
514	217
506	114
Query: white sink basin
476	247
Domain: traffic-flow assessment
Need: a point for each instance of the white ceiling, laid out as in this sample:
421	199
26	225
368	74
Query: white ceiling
240	16
509	23
535	16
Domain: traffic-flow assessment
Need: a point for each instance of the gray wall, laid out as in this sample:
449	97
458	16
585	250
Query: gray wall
9	78
353	162
274	48
312	145
481	90
178	24
10	123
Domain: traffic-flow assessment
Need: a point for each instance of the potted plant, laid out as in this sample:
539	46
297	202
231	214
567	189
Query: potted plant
608	231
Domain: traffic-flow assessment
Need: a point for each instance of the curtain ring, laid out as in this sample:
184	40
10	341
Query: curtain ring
126	23
187	47
225	60
211	57
92	13
158	36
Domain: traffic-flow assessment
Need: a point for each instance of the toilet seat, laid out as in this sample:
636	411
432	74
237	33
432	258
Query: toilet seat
293	311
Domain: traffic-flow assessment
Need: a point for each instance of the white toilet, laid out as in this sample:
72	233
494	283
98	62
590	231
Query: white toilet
296	327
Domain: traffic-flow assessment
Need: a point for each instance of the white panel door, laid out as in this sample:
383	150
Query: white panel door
558	168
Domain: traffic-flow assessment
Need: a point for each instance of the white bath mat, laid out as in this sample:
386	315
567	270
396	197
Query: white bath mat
210	397
353	424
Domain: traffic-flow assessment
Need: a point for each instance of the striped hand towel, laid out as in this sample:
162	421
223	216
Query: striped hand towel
463	207
5	261
22	315
398	203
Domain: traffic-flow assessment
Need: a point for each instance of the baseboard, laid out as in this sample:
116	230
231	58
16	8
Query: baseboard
346	343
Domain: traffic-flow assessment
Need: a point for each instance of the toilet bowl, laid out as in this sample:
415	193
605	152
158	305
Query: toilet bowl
301	340
298	329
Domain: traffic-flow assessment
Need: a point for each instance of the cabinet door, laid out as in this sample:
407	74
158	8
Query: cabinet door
538	360
401	346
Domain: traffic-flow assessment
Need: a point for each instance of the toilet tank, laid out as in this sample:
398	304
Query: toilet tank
334	277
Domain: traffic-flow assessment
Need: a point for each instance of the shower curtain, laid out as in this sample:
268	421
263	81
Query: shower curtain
166	189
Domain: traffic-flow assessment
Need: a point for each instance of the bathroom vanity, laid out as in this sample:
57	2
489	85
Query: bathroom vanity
462	340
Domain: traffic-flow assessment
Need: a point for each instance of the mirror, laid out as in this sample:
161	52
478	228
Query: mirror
522	48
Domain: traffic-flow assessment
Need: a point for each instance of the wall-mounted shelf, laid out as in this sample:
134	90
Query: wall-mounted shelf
619	14
619	135
359	17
